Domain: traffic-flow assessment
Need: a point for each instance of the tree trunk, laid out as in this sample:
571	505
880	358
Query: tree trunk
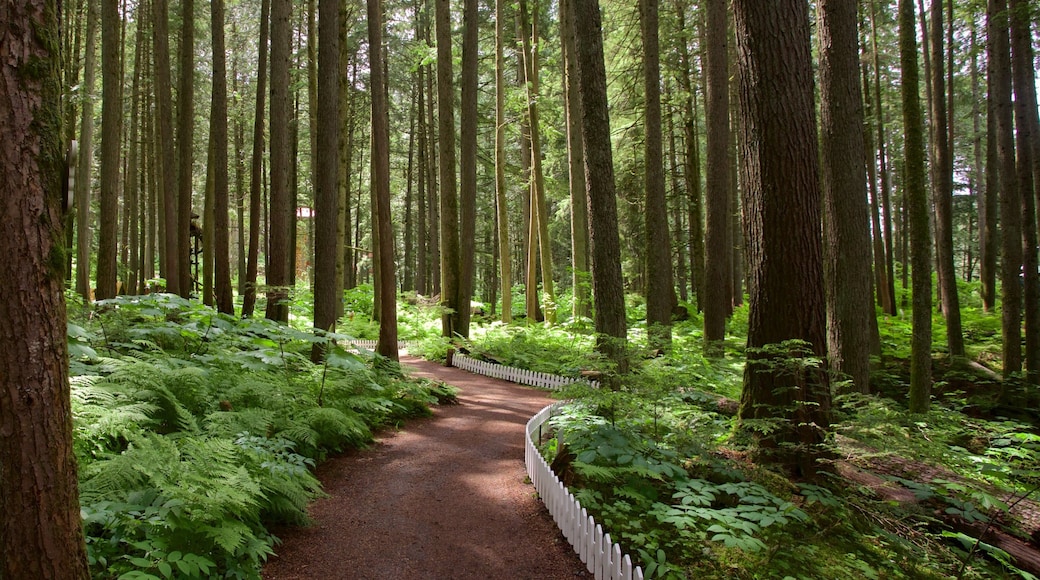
607	289
785	250
86	156
539	205
221	186
942	187
575	173
467	166
111	146
998	51
988	201
717	253
256	165
1027	134
279	233
41	535
692	163
917	208
886	204
660	286
501	208
449	206
851	322
387	345
185	146
326	172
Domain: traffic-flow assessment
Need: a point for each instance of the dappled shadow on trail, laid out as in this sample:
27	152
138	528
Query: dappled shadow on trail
444	498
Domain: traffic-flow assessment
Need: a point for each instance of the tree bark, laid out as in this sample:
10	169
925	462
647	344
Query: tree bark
256	165
185	147
660	286
279	234
1027	134
86	156
501	208
942	187
785	253
468	165
449	203
917	209
219	136
886	204
998	51
111	146
607	289
851	322
575	173
326	172
716	254
387	345
41	534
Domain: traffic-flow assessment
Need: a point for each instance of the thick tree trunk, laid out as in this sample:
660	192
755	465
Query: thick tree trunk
111	146
917	209
449	206
279	232
387	345
326	172
575	173
717	253
785	252
1027	134
660	285
998	51
219	137
169	264
607	289
41	535
851	323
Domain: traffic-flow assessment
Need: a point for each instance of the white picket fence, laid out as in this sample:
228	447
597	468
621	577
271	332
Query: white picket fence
520	376
371	344
602	557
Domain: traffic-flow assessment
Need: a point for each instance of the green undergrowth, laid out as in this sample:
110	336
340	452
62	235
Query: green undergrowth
194	431
661	464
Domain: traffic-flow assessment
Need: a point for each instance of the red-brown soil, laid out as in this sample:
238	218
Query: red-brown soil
445	498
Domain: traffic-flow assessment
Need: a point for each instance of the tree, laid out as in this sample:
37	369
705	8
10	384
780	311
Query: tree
851	322
387	345
917	209
942	186
86	140
468	165
575	171
111	145
40	529
169	263
998	52
185	146
660	288
607	289
256	165
505	263
1027	132
219	137
785	253
718	162
327	295
279	235
449	203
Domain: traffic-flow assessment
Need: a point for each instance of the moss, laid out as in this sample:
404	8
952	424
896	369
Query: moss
56	262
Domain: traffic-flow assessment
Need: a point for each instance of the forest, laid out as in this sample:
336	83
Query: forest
794	243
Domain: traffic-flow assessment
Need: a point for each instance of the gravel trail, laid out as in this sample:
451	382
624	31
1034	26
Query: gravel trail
445	498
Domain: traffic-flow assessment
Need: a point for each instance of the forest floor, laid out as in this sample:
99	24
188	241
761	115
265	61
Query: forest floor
447	497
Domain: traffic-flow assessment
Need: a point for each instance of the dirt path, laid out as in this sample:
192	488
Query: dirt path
444	498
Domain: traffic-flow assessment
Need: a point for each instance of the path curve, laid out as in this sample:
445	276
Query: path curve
446	498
